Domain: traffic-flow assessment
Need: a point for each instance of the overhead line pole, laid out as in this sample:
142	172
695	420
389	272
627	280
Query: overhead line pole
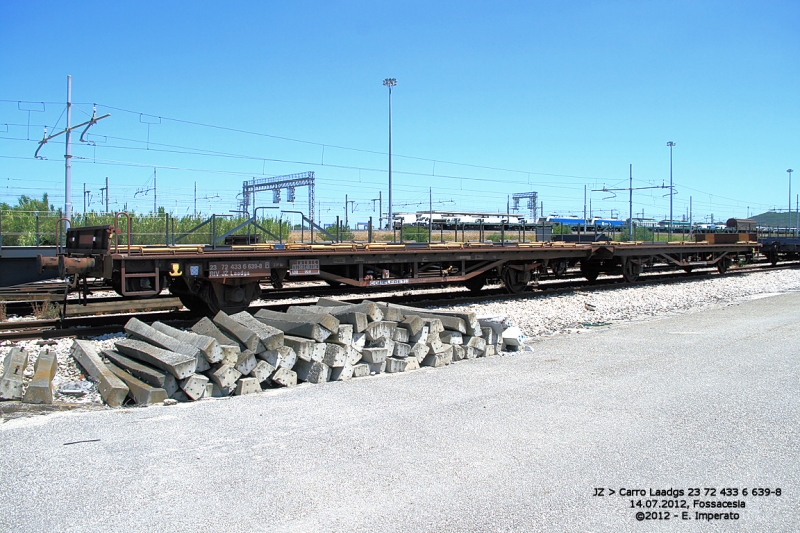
68	155
390	82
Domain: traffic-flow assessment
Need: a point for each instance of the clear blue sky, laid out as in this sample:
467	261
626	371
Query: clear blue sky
492	98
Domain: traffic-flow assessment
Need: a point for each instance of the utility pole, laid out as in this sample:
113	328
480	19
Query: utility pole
195	199
155	191
584	209
430	213
104	191
630	197
670	144
68	155
390	82
68	150
85	192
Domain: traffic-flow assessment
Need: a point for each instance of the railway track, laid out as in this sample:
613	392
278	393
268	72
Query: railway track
167	309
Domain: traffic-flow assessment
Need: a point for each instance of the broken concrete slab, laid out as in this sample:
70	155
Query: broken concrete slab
230	353
370	309
139	330
342	373
194	386
246	337
138	390
400	334
335	355
375	355
40	388
379	330
247	386
473	326
459	353
262	371
401	350
479	343
391	312
434	325
269	337
361	370
112	389
284	377
377	368
359	341
419	351
512	336
179	365
220	392
205	326
202	363
305	313
304	349
439	359
353	355
208	346
224	375
156	378
295	328
312	372
412	324
401	365
283	357
451	337
420	336
447	320
435	343
246	362
343	335
383	342
14	366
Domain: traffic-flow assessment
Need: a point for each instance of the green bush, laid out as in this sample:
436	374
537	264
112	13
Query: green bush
561	229
640	234
415	233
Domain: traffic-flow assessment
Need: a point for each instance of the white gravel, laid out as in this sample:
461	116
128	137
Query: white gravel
542	316
537	316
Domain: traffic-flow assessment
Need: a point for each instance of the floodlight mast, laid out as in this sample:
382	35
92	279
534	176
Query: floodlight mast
390	82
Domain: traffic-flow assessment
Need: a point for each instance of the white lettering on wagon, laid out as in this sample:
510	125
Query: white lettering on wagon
238	269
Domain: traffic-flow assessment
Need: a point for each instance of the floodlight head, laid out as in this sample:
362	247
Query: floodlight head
390	82
670	143
789	170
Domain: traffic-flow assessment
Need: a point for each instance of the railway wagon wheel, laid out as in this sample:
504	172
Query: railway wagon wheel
723	264
559	268
772	257
514	280
631	271
475	284
229	299
590	271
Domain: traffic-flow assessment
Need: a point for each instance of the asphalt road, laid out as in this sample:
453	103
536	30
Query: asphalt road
706	400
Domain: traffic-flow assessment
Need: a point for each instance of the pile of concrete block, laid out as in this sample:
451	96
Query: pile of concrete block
243	353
